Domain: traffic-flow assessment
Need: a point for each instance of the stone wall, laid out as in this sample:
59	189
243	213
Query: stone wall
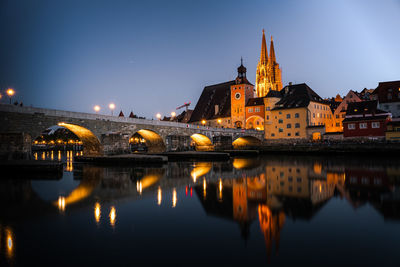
15	146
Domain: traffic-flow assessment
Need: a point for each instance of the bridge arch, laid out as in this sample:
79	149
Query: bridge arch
202	142
90	142
246	142
147	141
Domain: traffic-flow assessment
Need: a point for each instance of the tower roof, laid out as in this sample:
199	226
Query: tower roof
264	52
272	57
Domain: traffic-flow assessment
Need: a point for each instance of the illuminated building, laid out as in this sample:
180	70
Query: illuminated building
268	75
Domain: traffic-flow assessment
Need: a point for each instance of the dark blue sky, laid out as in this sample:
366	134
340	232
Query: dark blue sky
152	56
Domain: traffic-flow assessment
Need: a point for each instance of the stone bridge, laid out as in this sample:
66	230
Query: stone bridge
110	134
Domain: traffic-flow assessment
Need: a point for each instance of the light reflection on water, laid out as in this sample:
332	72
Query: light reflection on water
275	201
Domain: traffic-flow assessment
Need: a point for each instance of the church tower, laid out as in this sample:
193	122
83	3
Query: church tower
268	75
241	91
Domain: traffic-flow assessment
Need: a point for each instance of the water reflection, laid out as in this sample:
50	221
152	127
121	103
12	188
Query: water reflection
263	196
113	216
97	212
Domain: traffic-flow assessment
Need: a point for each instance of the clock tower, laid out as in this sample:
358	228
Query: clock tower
241	91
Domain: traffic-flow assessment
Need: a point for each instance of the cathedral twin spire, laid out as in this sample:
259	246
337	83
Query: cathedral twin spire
268	76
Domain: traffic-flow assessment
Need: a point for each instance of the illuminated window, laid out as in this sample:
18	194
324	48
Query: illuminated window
337	124
257	110
250	110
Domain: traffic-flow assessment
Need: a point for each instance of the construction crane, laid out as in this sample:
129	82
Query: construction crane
186	105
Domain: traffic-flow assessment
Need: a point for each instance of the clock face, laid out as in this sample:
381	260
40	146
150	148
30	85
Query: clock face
237	96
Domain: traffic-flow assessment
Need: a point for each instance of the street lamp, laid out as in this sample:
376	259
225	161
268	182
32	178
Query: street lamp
112	107
203	122
173	114
10	93
96	108
158	116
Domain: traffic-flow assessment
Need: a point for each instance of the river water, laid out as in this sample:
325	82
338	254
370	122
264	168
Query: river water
270	210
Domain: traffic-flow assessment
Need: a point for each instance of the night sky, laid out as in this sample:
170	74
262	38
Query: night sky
152	56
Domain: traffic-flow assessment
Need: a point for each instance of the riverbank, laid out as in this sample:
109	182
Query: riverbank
333	148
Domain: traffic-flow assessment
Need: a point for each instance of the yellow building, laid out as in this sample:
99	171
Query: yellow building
340	112
268	75
300	113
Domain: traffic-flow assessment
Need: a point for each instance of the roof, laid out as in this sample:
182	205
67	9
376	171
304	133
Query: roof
384	85
217	94
257	101
296	96
368	118
274	93
363	107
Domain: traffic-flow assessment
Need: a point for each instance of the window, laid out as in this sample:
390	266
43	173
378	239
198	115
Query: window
344	115
250	110
272	134
375	125
389	96
313	115
257	110
297	134
337	124
351	126
280	112
267	117
363	125
287	116
290	179
280	130
296	115
289	126
268	109
280	121
298	179
337	116
398	106
289	134
297	125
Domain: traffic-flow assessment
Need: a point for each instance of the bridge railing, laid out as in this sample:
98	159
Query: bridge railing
90	116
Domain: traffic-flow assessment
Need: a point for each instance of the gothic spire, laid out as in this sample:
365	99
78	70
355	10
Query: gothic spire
272	51
264	51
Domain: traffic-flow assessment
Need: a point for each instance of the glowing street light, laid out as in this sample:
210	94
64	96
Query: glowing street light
158	116
173	114
203	122
10	93
112	107
96	108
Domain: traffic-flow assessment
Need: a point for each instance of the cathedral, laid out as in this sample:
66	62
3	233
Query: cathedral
238	103
268	75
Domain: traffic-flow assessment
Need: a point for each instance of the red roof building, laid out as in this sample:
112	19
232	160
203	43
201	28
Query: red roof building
364	119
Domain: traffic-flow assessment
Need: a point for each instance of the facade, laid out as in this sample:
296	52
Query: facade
255	113
298	109
340	112
365	120
388	96
268	75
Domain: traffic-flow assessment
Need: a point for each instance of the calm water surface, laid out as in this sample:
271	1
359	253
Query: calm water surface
280	210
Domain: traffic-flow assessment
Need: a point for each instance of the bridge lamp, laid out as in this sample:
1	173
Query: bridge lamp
10	93
203	122
96	108
173	114
219	121
112	107
158	116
